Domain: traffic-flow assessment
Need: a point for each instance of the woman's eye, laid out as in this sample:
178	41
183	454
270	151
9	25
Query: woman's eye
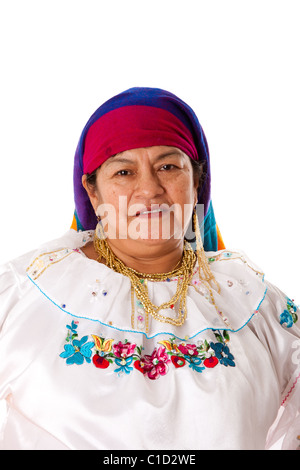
122	172
168	166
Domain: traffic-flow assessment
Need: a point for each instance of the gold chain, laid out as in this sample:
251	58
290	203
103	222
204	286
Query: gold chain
184	272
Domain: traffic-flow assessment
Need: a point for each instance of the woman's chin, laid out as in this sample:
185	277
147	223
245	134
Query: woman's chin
157	236
144	244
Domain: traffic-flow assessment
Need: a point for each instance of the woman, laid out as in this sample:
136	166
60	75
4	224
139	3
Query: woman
125	335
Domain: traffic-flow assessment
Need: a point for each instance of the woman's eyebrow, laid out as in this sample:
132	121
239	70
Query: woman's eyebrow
117	159
127	160
177	153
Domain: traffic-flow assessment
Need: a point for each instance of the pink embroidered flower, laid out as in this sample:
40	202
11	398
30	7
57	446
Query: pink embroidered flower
124	349
188	349
156	364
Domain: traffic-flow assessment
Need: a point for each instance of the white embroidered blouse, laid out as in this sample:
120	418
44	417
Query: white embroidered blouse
78	369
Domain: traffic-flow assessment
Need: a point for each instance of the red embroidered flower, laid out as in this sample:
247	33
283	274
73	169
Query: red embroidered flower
211	362
123	350
100	361
139	365
178	361
156	364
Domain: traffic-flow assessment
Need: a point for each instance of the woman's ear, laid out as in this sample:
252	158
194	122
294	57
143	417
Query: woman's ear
195	195
91	191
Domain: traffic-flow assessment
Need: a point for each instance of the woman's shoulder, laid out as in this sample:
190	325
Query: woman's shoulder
15	271
226	259
239	274
236	271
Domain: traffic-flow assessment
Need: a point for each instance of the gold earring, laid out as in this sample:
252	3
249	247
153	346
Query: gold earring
100	243
204	270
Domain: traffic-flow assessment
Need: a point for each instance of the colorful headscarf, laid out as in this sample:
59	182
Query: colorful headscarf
138	118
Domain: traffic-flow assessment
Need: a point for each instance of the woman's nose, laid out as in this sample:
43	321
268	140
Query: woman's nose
148	185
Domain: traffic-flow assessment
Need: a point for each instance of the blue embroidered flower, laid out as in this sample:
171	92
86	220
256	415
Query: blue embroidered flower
287	318
223	354
73	327
292	308
72	333
289	315
79	350
124	365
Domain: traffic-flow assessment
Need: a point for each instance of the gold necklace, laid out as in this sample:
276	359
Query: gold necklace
183	272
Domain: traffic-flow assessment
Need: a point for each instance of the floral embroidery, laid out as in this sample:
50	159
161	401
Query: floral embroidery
223	255
127	356
124	356
289	315
79	350
223	354
155	364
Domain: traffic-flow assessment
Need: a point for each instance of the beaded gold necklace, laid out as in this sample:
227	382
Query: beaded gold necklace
183	271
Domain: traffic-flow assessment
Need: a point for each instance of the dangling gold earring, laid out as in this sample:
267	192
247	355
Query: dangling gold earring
100	243
205	273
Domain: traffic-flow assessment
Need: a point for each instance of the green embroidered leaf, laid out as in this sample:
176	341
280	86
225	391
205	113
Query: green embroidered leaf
219	337
226	335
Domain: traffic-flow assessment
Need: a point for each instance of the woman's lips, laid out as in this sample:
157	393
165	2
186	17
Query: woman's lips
153	211
149	213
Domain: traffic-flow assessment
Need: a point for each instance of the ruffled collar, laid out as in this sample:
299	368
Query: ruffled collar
86	289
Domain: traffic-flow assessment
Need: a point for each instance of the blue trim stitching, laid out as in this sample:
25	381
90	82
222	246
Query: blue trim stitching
142	332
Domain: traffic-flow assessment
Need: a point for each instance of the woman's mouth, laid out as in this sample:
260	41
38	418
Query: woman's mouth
151	212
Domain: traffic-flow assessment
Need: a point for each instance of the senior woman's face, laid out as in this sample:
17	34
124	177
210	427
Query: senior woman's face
145	194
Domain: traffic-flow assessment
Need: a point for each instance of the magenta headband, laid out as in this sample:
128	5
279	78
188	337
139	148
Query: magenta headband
131	127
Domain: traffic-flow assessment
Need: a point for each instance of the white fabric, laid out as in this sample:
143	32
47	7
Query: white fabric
184	402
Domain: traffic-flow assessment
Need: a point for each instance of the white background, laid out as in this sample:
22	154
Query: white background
235	62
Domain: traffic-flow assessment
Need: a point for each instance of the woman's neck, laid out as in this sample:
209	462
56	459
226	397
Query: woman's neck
149	260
